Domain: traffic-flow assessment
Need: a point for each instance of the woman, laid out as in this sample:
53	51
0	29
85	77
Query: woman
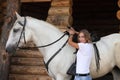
84	53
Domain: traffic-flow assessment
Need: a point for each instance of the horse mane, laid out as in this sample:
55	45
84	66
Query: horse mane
45	23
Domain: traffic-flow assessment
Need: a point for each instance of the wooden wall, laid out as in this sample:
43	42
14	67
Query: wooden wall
28	64
3	6
8	12
96	15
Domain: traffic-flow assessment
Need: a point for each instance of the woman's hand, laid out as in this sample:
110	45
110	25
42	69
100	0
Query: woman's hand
71	31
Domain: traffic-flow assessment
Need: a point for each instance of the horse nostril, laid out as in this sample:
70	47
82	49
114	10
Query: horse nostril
10	49
6	50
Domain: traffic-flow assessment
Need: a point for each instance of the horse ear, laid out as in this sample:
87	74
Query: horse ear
17	15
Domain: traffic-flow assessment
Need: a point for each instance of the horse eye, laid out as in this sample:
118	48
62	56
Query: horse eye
15	30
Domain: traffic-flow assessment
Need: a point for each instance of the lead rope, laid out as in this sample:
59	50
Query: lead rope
46	44
46	65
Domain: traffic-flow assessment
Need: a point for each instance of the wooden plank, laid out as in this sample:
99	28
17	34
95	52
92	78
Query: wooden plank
60	11
62	3
41	0
118	3
24	1
33	70
118	14
27	61
28	53
60	20
28	77
12	6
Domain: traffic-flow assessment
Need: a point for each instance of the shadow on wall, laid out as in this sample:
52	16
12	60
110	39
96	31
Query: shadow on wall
38	10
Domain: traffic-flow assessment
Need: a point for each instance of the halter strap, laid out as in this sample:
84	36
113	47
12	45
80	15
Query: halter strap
46	64
97	56
22	32
46	44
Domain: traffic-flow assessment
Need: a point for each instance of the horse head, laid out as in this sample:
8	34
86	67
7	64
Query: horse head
19	34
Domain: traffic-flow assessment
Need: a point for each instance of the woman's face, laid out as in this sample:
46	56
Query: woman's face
81	38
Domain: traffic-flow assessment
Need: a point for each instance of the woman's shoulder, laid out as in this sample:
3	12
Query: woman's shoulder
81	43
85	43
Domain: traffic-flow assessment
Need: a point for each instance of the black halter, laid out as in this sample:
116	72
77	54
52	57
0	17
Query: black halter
23	33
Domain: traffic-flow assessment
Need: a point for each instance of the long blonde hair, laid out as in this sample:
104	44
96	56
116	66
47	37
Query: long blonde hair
86	34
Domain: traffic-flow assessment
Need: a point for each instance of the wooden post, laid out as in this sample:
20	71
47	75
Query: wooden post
2	12
65	3
118	3
12	6
60	10
118	13
60	13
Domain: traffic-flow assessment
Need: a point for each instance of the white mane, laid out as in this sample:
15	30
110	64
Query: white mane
44	23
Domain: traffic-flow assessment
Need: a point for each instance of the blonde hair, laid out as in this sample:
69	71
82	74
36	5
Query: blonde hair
86	34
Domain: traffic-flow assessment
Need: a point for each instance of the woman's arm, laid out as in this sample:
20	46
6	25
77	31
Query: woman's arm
73	44
70	41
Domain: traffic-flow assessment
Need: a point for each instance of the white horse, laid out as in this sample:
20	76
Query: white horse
42	33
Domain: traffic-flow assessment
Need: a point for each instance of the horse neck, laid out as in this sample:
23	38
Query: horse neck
45	33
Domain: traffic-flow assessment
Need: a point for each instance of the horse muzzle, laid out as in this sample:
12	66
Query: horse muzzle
11	49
